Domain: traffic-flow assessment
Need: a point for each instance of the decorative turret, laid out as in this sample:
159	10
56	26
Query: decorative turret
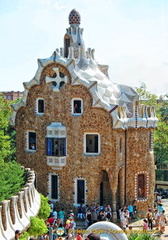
74	18
73	37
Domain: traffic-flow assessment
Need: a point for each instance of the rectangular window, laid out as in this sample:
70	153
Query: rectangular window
56	147
54	187
141	180
92	144
80	191
77	106
32	140
40	105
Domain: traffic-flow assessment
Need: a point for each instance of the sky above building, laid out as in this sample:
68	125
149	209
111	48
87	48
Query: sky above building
131	36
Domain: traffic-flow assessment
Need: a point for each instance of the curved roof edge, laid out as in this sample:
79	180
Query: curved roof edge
114	98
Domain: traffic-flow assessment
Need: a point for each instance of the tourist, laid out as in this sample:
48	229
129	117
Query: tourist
160	208
79	235
145	225
80	214
156	218
89	217
130	209
108	215
94	215
17	234
150	218
162	221
61	216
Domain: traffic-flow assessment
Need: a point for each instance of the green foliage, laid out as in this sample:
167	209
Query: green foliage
141	236
145	96
7	134
37	227
24	236
11	179
44	208
161	145
161	175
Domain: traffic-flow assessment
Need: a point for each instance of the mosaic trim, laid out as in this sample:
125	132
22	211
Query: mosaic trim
143	199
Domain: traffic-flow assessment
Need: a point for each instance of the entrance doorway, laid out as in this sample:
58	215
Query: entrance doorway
105	190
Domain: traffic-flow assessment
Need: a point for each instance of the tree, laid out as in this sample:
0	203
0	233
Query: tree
5	112
11	179
7	134
12	176
145	96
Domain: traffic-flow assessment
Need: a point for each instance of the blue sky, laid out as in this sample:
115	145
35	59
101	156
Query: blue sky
131	36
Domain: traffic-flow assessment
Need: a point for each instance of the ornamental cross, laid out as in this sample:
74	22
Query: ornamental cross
58	80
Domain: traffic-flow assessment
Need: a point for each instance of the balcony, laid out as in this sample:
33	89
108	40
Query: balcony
56	162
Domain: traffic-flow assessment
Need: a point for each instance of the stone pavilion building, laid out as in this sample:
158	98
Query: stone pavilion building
88	139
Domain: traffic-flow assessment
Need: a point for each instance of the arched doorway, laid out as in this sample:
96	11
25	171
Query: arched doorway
105	190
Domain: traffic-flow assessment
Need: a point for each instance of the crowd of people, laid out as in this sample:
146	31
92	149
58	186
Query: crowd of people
94	213
61	223
155	218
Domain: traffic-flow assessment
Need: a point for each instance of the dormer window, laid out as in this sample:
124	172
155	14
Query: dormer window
77	106
40	106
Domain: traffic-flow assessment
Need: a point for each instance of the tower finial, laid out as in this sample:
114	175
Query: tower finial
74	17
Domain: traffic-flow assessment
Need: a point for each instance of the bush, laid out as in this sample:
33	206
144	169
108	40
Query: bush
44	211
141	236
37	227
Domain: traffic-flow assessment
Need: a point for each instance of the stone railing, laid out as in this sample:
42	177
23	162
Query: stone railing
15	213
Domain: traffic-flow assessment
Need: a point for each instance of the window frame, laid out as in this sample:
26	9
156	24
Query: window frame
76	180
37	106
98	144
145	186
73	105
54	139
28	142
50	192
